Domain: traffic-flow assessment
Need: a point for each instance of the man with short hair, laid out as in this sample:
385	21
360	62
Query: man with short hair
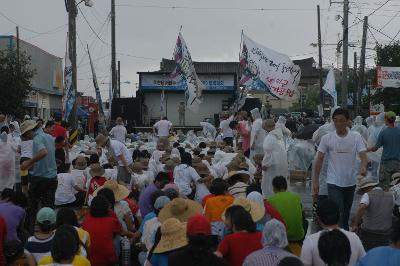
341	147
119	131
62	146
390	160
328	216
163	128
145	197
227	132
288	204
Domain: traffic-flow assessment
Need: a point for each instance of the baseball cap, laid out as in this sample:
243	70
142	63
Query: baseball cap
391	115
198	225
46	215
161	202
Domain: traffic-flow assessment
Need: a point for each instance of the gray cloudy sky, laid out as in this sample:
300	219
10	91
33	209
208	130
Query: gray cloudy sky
147	30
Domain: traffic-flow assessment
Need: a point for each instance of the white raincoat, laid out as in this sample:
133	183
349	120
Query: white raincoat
7	163
275	159
209	130
285	131
258	134
375	129
360	128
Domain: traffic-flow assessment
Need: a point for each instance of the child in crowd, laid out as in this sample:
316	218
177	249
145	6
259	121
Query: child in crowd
98	179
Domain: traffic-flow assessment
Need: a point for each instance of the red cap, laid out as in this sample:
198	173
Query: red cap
198	225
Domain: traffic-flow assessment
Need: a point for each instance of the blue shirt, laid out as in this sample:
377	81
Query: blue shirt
149	216
389	139
387	256
47	166
160	259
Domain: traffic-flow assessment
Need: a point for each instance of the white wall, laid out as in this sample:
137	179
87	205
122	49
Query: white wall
212	104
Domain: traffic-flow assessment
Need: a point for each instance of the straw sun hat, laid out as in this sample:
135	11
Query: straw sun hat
27	125
181	209
365	182
96	170
173	236
120	192
256	211
80	163
395	179
137	168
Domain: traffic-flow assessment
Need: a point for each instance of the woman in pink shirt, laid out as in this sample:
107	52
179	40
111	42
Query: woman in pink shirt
244	129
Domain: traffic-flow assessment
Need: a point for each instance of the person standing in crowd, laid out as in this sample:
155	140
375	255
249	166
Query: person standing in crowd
26	146
181	112
163	128
257	135
274	162
119	152
62	133
227	132
328	216
274	242
244	129
390	160
119	131
341	148
388	255
288	204
42	164
374	214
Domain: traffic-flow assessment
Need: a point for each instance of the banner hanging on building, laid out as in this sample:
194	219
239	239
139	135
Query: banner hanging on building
266	70
69	92
330	86
388	77
96	86
186	75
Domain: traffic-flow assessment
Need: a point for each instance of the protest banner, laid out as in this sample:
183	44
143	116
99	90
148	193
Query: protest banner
267	70
388	77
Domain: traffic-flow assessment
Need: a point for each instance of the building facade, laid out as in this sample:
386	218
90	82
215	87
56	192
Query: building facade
47	83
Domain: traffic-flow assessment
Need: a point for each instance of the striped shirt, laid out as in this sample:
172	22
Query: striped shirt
39	247
268	256
238	190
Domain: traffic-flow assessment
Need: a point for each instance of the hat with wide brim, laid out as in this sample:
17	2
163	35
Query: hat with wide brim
80	163
365	182
256	211
27	125
120	191
101	140
137	168
202	169
96	170
395	179
181	209
173	236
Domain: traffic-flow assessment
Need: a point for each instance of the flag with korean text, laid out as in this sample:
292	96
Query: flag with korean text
186	76
266	70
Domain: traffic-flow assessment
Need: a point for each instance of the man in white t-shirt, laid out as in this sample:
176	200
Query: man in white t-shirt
328	218
119	131
163	128
341	148
227	132
120	153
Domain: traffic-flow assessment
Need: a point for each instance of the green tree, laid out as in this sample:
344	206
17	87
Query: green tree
387	55
15	80
310	101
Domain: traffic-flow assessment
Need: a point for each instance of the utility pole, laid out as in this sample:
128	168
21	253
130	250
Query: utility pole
17	30
321	92
119	78
355	85
72	13
362	62
113	53
345	52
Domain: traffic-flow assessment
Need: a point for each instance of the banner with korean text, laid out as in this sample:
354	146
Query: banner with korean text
186	75
267	70
388	77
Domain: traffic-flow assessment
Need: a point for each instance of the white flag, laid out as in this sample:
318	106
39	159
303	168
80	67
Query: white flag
186	75
266	70
330	86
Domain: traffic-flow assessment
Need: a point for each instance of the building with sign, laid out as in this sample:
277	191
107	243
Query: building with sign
219	78
47	83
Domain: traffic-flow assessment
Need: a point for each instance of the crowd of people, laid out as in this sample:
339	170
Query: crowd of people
221	198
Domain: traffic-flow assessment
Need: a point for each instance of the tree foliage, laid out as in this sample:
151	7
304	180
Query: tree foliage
15	80
387	55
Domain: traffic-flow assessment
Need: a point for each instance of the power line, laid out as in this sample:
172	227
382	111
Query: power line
139	57
90	26
387	23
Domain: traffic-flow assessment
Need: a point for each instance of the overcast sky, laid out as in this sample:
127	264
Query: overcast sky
147	30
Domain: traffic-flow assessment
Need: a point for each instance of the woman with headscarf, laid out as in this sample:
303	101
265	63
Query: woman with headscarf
258	134
274	241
